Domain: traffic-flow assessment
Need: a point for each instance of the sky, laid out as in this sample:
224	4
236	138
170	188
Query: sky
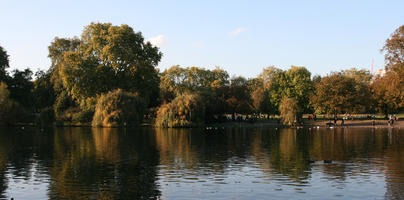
241	37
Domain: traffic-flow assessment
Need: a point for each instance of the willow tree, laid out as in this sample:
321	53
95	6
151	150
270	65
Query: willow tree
289	111
107	58
118	108
186	110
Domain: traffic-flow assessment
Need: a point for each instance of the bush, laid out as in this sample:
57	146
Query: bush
119	108
184	111
288	111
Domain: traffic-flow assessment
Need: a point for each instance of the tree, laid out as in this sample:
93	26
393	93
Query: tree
238	98
57	49
340	93
289	110
388	91
177	80
20	86
260	101
186	110
9	109
43	92
362	75
209	84
5	105
294	83
274	81
107	58
299	86
269	75
3	64
119	108
394	48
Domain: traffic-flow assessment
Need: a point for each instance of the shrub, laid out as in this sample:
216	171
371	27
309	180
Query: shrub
118	108
184	111
288	111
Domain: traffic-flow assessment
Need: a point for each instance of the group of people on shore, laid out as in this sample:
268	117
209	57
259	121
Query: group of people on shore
392	119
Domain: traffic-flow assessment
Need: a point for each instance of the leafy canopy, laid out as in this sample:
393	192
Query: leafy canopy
105	58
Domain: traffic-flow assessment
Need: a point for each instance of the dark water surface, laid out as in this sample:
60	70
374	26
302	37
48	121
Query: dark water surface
233	163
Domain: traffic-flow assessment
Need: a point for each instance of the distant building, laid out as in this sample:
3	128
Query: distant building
380	72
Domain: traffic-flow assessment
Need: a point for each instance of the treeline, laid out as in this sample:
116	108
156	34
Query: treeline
108	77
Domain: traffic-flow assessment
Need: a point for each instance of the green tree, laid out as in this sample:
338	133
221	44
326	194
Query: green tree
107	58
57	49
299	86
269	75
294	83
274	82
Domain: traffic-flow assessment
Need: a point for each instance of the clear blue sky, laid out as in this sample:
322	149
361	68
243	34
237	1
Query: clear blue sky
240	36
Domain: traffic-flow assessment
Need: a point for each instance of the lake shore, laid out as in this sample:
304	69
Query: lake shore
379	123
275	123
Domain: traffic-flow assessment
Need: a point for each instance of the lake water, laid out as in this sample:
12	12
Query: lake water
231	163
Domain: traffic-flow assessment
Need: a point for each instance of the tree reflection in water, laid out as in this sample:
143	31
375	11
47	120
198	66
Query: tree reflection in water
92	163
104	164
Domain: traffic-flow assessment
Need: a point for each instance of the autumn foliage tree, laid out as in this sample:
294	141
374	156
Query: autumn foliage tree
340	93
394	48
388	90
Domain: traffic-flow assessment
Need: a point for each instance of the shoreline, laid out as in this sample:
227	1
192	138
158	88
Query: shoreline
311	123
358	123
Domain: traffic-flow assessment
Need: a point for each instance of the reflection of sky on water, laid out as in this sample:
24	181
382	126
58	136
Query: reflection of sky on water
252	182
32	185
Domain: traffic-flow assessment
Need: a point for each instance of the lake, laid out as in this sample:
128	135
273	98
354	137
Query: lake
222	163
